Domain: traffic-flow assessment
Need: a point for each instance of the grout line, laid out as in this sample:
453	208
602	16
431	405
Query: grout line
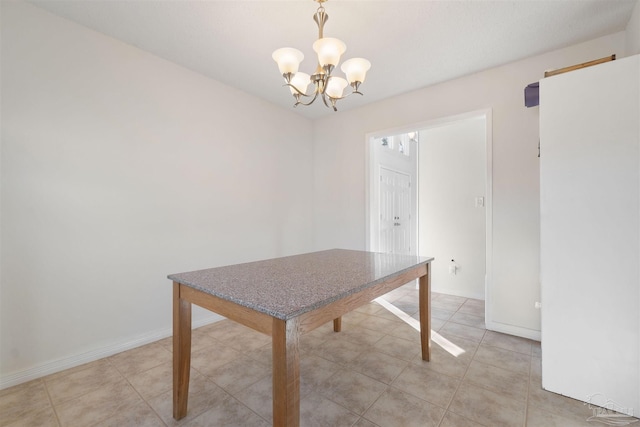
461	379
246	406
435	336
55	412
416	325
526	405
138	393
408	320
388	387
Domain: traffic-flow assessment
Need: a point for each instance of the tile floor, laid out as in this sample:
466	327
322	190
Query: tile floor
369	375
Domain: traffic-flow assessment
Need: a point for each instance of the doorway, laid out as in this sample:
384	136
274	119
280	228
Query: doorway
466	239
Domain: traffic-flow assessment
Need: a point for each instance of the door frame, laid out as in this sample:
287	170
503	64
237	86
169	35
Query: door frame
370	186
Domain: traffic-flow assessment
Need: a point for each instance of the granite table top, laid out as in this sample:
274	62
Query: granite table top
290	286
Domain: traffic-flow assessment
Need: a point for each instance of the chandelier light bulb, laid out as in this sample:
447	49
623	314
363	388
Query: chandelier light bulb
329	50
335	87
288	59
356	69
300	81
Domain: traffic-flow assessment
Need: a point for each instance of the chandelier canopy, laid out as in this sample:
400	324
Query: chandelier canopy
329	50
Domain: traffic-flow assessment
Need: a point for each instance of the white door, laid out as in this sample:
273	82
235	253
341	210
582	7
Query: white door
395	212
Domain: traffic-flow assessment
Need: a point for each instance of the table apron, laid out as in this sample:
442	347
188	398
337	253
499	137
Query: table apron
261	322
313	319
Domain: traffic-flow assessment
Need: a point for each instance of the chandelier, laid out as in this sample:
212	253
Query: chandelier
325	85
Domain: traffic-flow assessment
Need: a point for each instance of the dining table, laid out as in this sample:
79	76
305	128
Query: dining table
286	297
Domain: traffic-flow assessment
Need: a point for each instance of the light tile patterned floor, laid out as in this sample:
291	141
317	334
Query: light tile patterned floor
369	375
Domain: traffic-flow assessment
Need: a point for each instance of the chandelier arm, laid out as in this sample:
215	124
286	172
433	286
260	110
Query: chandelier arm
296	89
346	96
333	102
308	103
351	93
324	99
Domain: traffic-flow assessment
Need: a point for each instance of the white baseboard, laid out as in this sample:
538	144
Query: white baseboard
479	295
514	330
49	368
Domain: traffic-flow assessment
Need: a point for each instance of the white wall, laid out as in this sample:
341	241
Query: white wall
452	173
633	31
119	168
590	228
339	169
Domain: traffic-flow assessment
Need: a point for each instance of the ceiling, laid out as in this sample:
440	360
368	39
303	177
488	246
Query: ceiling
411	44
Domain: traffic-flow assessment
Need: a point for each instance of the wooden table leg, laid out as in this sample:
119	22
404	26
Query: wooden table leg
337	324
181	352
425	314
286	373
